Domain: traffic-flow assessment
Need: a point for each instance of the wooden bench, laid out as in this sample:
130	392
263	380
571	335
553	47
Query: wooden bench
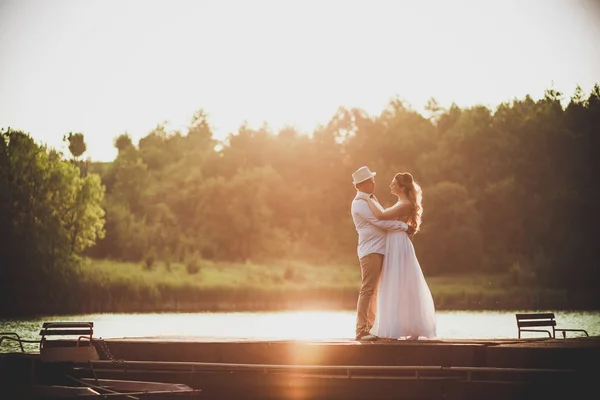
525	323
77	353
82	329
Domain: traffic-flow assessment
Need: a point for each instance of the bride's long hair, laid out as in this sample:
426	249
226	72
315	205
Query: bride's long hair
415	195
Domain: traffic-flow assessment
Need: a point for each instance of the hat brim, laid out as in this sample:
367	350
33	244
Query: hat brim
366	179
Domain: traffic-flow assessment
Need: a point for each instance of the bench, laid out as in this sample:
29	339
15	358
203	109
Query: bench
82	329
50	352
526	323
56	350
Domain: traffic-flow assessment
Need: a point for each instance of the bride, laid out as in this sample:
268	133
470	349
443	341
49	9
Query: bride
405	307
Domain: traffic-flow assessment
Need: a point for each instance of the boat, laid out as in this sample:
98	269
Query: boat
52	372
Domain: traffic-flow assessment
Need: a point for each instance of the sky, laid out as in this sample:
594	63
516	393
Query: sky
105	68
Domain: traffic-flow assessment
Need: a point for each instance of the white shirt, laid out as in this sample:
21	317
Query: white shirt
371	231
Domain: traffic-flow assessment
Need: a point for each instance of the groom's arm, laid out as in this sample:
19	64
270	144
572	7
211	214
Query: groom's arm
362	209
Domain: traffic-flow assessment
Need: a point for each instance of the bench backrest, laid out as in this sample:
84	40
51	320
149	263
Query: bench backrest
539	319
67	328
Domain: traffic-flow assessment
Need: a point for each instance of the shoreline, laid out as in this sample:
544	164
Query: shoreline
236	301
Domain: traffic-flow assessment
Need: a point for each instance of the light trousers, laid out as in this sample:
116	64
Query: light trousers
370	268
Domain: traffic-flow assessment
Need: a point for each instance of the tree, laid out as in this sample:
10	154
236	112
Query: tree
496	184
123	142
77	144
450	238
49	215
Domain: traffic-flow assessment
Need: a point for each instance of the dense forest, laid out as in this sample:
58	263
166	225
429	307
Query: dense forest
506	190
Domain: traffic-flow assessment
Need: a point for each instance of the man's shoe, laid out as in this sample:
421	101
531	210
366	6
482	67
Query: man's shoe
369	337
366	336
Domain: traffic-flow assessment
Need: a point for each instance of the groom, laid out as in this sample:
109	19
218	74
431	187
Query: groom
371	249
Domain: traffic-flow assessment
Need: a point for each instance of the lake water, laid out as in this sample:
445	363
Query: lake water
288	325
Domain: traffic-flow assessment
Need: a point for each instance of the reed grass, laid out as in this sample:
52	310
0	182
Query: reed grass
224	275
112	286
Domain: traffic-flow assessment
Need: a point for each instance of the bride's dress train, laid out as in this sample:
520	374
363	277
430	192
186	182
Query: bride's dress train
405	305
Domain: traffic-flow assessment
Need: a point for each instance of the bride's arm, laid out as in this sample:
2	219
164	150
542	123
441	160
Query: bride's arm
361	210
393	212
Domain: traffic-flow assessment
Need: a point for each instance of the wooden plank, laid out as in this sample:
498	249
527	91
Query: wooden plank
56	332
536	323
535	316
68	325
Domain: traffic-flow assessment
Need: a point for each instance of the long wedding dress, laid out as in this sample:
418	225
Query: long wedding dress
405	307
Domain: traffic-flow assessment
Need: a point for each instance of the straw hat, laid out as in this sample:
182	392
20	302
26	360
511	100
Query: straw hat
362	174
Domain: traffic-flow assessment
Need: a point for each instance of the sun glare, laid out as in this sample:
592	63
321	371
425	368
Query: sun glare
289	325
300	325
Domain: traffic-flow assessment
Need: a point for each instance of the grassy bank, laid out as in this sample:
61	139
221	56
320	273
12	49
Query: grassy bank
109	286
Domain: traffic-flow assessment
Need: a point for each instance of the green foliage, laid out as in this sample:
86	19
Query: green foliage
192	263
192	266
497	184
149	259
106	286
123	142
49	215
508	191
452	228
77	144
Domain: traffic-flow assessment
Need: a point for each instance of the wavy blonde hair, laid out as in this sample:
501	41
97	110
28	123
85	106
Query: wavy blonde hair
415	195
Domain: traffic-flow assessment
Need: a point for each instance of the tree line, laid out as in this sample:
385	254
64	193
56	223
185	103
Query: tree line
504	190
50	213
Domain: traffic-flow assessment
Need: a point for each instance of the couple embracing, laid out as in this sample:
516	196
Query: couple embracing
394	300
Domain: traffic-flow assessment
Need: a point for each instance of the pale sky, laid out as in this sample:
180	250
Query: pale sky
108	67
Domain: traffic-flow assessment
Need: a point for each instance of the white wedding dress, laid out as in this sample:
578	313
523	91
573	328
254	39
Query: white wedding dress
405	306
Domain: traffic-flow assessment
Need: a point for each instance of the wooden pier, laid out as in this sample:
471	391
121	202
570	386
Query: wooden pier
576	353
350	370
